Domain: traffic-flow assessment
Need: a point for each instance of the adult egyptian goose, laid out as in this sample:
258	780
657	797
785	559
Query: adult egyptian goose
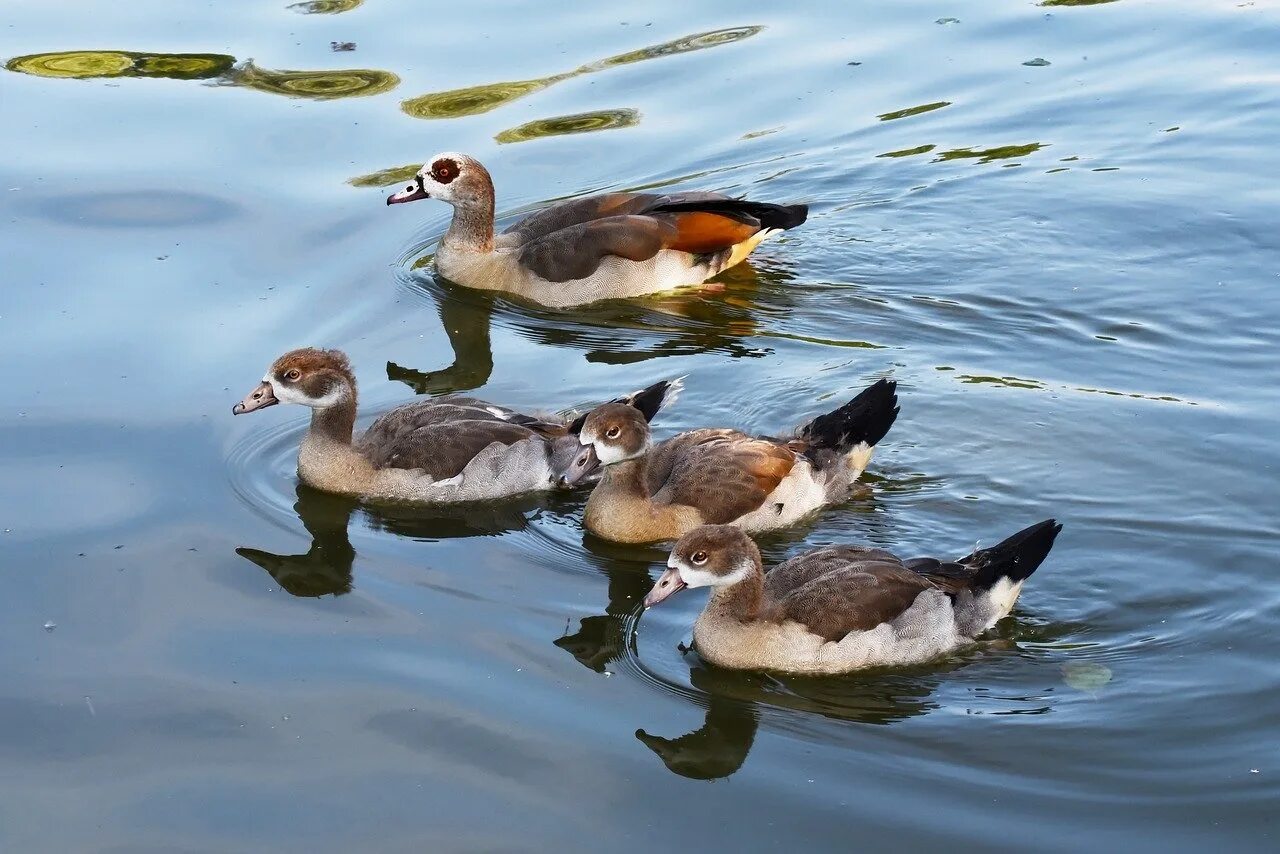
842	608
593	248
442	450
722	476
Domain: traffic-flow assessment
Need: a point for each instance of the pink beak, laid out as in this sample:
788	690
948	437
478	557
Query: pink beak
411	193
669	583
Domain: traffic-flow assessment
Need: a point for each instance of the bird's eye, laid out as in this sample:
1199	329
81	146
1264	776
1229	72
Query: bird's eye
293	375
699	558
613	433
411	188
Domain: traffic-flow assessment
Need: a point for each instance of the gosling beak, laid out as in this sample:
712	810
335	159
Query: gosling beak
582	466
669	583
260	398
411	193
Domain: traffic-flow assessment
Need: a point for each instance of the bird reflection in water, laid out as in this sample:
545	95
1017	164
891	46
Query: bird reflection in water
722	318
326	567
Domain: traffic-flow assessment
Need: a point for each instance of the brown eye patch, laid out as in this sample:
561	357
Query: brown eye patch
444	170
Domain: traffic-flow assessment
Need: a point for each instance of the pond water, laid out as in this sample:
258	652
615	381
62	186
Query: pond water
1054	224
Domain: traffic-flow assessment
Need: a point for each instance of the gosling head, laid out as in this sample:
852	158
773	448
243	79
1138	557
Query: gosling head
715	556
610	434
450	177
315	378
619	430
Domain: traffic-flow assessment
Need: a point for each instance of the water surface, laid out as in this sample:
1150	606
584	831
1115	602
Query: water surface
1069	267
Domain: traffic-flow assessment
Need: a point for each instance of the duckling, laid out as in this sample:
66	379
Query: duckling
592	248
842	608
446	449
723	476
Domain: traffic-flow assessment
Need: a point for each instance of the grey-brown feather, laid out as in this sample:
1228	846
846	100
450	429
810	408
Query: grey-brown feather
441	436
851	596
723	473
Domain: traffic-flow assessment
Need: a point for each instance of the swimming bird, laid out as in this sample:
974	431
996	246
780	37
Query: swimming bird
446	449
838	609
592	248
723	476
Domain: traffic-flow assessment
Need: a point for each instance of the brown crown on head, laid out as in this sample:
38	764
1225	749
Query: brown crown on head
718	549
632	430
313	371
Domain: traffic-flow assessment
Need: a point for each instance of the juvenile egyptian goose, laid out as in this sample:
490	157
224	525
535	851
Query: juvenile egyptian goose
842	608
593	248
723	476
441	450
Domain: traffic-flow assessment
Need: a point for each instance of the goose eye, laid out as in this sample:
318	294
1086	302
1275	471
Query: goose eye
613	433
411	188
293	375
699	558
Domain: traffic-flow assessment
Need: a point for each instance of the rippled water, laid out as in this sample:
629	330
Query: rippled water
1055	225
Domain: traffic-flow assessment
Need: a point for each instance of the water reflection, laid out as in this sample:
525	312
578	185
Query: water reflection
326	567
576	123
737	701
986	155
913	111
326	7
86	64
619	332
473	100
220	69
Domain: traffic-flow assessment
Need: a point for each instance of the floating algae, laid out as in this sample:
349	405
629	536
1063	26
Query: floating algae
318	85
90	64
473	100
576	123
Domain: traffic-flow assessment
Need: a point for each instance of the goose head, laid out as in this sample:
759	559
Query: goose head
458	179
316	378
611	433
715	556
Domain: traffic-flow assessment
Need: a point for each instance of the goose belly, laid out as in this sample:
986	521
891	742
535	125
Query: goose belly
616	277
924	631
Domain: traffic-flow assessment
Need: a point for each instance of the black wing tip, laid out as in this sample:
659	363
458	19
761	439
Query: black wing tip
769	215
654	398
1017	556
866	418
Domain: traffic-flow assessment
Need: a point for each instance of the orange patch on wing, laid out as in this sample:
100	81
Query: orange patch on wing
699	232
768	469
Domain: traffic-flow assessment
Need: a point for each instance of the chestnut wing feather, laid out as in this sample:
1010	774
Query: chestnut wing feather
578	211
725	474
569	241
441	436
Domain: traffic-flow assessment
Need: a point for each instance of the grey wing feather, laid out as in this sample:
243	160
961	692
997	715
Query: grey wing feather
577	251
442	436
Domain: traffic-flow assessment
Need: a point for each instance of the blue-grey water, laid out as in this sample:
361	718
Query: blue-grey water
1055	224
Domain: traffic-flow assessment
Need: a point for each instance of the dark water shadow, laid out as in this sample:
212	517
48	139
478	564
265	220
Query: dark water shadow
218	69
721	319
326	568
